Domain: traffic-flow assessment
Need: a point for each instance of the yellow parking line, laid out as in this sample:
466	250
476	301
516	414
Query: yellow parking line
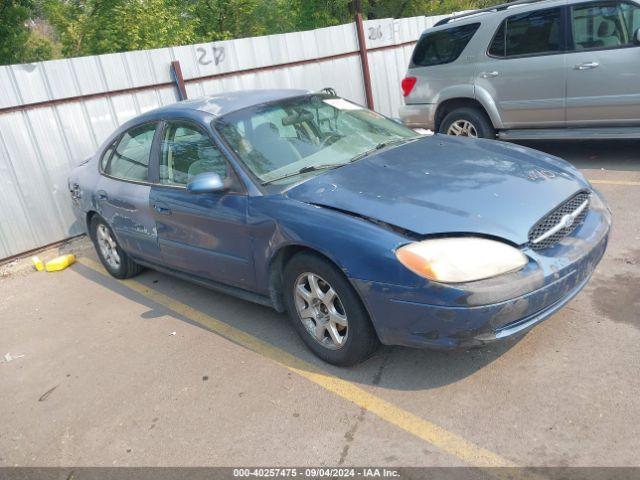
615	182
451	443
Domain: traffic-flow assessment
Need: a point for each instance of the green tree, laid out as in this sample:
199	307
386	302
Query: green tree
14	32
414	8
32	30
105	26
225	19
39	47
322	13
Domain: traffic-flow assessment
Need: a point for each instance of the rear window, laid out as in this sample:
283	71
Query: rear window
130	159
442	47
531	33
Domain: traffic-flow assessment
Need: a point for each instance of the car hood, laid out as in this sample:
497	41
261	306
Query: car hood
442	184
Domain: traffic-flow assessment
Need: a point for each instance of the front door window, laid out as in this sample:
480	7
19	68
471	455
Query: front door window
603	25
186	151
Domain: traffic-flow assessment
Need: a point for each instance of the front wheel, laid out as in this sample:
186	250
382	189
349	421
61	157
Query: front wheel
327	312
113	258
467	122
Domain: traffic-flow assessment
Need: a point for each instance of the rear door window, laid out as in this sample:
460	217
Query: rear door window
531	33
602	25
442	47
130	160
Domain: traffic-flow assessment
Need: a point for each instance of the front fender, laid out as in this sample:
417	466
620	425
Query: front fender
360	248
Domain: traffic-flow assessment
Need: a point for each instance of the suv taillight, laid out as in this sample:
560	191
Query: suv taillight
407	85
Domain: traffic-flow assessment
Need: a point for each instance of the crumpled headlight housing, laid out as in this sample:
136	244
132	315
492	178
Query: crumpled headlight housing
460	259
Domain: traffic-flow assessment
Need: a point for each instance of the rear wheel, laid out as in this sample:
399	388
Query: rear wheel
467	122
113	258
327	312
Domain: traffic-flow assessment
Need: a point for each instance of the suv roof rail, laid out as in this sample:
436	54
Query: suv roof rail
495	8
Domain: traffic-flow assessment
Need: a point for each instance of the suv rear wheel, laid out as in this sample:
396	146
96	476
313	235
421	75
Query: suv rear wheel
467	122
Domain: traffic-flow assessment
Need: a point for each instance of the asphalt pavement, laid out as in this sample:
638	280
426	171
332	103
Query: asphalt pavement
156	371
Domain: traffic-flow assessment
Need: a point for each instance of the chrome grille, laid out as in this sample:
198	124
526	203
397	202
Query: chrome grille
549	230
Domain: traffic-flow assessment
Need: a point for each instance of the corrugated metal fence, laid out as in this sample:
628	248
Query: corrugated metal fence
54	114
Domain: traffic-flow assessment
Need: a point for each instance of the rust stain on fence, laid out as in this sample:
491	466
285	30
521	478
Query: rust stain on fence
246	71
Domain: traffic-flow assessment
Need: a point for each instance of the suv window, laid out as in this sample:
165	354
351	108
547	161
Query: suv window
603	25
130	160
187	151
442	47
531	33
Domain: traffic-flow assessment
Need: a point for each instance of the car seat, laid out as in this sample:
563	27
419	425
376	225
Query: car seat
607	34
209	160
276	151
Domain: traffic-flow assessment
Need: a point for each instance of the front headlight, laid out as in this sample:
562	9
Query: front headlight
462	259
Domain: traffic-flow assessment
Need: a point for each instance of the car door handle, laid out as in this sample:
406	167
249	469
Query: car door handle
102	195
489	74
162	208
586	66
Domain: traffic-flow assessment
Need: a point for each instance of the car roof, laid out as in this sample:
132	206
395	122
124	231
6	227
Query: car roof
216	105
223	103
501	11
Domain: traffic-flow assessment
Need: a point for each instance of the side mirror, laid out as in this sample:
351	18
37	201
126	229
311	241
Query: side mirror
207	182
636	37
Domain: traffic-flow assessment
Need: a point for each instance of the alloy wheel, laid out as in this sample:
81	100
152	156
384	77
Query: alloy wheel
108	246
321	311
463	128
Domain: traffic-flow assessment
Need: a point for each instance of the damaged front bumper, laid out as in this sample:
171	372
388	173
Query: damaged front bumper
449	316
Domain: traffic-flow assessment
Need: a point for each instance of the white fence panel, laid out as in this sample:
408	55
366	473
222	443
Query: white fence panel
55	114
389	66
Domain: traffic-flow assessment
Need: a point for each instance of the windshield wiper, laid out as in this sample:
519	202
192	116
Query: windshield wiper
326	166
307	169
380	146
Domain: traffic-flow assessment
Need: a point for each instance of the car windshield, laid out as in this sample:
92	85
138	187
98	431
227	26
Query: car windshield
281	141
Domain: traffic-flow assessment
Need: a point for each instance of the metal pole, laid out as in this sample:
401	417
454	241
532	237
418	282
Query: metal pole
364	60
176	70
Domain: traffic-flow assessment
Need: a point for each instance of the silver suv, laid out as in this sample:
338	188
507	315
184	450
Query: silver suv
529	70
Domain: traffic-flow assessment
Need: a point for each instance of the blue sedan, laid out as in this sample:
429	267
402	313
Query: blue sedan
360	229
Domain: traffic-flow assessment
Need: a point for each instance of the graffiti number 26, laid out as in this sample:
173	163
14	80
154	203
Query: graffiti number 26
375	33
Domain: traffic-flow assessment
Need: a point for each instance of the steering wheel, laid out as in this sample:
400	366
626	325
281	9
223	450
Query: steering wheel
333	135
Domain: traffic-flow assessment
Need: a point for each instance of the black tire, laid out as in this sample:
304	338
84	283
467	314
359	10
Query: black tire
127	268
476	117
361	339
